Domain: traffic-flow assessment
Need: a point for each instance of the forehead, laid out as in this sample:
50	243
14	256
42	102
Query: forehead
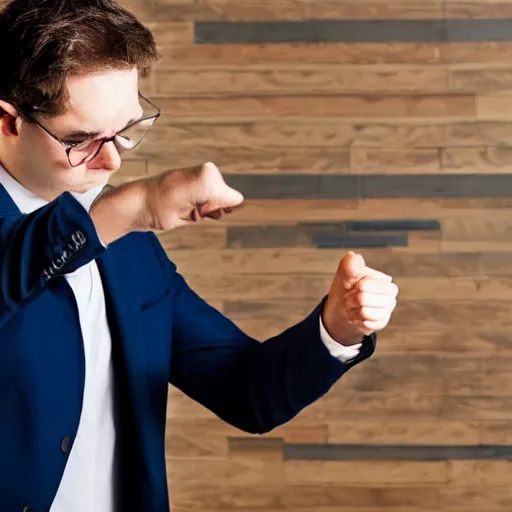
102	101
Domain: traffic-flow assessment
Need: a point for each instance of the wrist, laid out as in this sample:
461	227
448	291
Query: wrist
340	329
119	211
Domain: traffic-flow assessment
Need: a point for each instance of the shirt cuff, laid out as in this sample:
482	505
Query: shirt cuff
337	350
86	199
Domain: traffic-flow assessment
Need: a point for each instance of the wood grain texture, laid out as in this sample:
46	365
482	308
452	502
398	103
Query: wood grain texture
231	80
373	106
312	113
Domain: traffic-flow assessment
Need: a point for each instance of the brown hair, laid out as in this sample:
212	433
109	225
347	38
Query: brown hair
42	42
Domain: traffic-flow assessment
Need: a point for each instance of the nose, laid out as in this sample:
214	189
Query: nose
108	158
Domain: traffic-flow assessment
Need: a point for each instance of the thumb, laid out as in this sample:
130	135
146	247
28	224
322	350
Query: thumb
225	198
352	268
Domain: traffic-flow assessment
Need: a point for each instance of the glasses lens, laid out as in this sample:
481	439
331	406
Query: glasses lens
133	135
83	152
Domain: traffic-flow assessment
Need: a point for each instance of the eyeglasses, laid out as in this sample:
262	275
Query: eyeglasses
126	139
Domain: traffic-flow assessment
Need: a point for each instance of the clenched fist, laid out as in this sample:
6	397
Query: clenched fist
185	196
361	301
163	202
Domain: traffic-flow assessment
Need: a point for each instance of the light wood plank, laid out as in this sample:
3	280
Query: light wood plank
475	9
224	80
476	498
317	497
396	432
477	230
224	472
366	472
480	159
258	161
208	236
296	261
373	106
476	408
399	161
317	53
479	52
375	9
313	133
495	433
260	287
479	473
483	133
480	78
491	108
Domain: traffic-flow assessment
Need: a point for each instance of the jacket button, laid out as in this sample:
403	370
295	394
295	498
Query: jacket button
65	445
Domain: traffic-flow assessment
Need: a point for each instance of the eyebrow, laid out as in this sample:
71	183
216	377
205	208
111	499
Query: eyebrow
80	134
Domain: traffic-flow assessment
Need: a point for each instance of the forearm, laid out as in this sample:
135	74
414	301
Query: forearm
117	211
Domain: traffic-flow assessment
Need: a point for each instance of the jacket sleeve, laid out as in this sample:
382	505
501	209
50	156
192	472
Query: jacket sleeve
37	248
252	385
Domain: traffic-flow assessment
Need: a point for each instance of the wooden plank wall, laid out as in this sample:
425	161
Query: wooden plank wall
390	138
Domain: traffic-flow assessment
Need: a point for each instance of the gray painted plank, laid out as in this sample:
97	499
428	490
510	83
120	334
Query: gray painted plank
294	186
395	452
393	225
319	234
249	237
309	186
357	241
447	185
353	31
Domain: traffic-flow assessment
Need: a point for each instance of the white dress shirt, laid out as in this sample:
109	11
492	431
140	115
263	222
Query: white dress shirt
88	481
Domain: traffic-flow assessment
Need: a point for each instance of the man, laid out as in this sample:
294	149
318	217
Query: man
95	321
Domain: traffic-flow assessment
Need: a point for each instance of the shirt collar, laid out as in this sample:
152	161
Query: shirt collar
27	202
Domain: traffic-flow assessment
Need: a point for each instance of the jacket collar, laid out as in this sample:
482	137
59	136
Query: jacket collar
7	205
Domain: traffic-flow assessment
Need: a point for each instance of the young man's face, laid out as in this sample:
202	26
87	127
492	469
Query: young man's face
104	103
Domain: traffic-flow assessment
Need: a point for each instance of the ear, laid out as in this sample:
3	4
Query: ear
8	116
7	107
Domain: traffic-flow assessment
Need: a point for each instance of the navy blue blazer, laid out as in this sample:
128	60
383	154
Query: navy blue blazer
162	332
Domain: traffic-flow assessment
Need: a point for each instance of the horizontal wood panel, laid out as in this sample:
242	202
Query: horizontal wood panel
229	81
319	53
472	497
499	230
270	211
398	161
480	78
281	10
295	261
328	498
473	408
319	133
495	342
495	159
226	472
404	432
478	9
332	105
258	160
260	287
489	107
375	472
481	53
479	473
424	314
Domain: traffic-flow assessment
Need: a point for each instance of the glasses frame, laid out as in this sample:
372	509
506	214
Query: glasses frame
105	140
